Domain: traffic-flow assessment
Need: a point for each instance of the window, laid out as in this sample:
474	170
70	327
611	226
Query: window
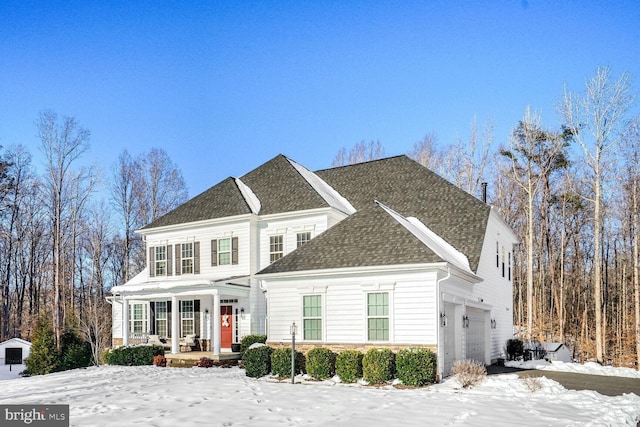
312	317
509	276
137	318
187	317
276	247
378	316
161	260
503	261
224	251
302	238
161	318
497	254
186	257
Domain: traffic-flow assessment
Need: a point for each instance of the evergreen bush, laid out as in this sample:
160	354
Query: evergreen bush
43	356
281	362
134	356
250	339
416	366
321	363
378	365
75	352
257	361
349	366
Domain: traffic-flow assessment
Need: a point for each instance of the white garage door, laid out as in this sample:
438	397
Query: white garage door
449	332
476	335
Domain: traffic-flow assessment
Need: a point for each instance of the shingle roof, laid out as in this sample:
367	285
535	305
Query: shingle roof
281	188
221	200
276	183
413	190
369	237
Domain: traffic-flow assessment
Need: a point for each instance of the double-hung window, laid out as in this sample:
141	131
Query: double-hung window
302	238
137	316
224	251
161	318
312	317
378	316
276	247
187	317
186	257
160	261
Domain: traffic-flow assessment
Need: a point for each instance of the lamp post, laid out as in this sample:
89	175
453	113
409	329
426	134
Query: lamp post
293	329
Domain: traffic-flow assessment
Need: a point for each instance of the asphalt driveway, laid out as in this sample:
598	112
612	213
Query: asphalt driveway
606	385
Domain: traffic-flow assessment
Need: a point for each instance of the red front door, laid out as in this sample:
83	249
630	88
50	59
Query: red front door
226	326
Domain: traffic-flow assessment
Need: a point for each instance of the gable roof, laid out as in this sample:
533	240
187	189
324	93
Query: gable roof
369	237
277	185
414	191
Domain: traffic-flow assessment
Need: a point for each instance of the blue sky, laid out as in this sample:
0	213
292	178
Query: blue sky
225	86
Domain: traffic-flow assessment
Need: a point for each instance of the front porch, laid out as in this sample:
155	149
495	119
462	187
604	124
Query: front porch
187	359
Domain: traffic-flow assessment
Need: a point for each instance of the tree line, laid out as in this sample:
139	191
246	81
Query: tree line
64	244
572	195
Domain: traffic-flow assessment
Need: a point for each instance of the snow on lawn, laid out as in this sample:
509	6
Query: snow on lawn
590	368
152	396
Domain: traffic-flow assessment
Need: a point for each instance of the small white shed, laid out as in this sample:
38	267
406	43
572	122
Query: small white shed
556	351
14	351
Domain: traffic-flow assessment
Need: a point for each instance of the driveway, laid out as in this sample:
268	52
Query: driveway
606	385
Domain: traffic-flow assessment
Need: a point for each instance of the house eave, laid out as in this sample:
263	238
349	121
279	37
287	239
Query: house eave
372	270
296	214
196	224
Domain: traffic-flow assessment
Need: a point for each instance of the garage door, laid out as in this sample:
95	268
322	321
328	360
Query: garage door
449	332
476	335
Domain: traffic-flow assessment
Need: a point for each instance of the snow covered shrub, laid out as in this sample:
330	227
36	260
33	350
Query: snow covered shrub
133	356
321	363
378	365
349	366
515	349
204	362
250	339
281	362
416	366
257	361
160	361
468	372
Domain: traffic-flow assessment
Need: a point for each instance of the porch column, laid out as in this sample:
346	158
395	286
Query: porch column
215	332
125	322
175	334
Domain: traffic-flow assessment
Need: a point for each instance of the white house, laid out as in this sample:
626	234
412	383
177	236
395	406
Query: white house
14	351
378	254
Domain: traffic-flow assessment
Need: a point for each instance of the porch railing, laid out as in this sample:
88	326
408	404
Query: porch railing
137	338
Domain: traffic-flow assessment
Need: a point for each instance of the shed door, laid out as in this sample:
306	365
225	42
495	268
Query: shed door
13	356
449	337
476	335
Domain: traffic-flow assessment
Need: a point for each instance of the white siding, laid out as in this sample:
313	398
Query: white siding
412	317
116	319
496	290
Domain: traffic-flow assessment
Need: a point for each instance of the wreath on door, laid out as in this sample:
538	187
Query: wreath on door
225	320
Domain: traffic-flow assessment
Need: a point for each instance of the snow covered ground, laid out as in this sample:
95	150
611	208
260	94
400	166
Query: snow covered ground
152	396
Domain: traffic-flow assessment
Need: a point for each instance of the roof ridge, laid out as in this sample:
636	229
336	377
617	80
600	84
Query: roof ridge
364	163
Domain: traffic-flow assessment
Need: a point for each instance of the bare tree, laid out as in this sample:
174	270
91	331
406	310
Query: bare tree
158	186
62	143
426	153
596	119
361	152
124	200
